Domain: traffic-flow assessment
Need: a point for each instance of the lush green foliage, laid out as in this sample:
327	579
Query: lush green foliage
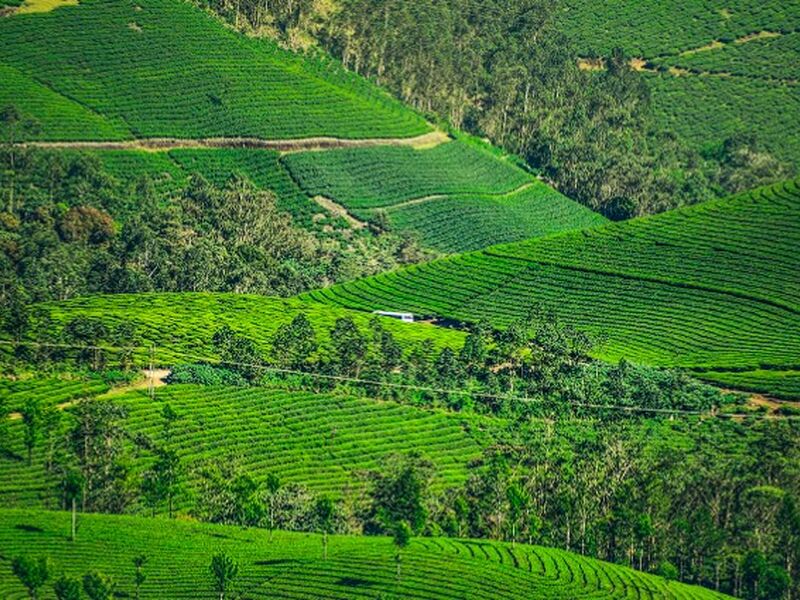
208	81
291	564
51	390
320	441
700	313
182	325
117	221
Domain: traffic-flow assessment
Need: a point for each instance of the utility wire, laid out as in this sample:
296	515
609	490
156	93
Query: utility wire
409	387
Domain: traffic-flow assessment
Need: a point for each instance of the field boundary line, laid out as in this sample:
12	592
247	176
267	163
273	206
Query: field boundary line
433	197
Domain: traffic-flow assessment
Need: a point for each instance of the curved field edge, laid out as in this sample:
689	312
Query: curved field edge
291	565
712	286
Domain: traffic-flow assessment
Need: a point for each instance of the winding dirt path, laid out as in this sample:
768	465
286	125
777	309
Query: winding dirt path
428	140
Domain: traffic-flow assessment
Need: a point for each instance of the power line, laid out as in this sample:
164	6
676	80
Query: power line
406	386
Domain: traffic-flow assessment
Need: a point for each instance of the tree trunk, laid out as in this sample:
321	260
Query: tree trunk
324	545
397	560
74	519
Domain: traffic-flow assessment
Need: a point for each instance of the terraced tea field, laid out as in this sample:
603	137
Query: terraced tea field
50	390
321	441
170	171
291	565
454	197
469	222
784	385
182	324
734	63
159	68
362	179
713	285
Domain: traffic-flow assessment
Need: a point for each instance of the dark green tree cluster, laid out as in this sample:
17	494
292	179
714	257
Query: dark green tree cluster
536	366
68	227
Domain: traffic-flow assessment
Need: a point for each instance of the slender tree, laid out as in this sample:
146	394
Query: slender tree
273	486
72	490
223	571
139	577
401	537
32	573
32	420
324	512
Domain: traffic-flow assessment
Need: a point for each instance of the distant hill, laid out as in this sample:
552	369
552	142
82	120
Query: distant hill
291	565
715	68
710	286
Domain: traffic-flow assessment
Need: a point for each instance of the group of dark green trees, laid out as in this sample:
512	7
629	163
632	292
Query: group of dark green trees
34	573
507	71
69	227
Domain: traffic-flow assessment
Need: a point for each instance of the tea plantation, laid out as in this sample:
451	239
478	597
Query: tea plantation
454	197
714	285
181	325
291	565
158	68
736	63
321	441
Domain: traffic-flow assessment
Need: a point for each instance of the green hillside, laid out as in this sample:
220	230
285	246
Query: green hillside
181	325
455	197
716	68
321	441
159	68
713	285
291	565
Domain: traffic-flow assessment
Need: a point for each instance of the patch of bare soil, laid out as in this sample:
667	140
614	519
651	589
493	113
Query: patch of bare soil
338	210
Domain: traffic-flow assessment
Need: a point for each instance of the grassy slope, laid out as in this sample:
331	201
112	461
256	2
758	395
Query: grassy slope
321	441
455	197
181	325
291	566
710	285
166	69
763	97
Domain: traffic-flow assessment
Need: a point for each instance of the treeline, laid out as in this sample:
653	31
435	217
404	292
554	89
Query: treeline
537	366
503	70
68	228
